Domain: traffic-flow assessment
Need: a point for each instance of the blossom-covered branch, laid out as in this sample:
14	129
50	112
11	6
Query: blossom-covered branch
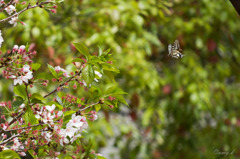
27	127
9	139
28	7
61	85
6	5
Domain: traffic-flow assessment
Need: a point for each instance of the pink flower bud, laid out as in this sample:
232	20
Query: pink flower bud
44	84
22	23
53	10
74	86
58	89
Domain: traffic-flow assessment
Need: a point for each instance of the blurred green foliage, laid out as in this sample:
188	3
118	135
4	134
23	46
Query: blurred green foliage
185	108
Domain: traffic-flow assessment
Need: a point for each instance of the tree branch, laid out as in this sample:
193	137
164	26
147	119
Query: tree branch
28	7
79	111
236	5
14	119
9	139
5	6
61	85
40	124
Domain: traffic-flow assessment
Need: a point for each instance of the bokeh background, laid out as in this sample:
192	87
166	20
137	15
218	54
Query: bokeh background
179	108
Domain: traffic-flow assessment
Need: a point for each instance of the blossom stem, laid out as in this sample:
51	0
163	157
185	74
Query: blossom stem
6	108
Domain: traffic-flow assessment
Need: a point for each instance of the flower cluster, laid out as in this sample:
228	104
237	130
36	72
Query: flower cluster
47	114
73	129
22	58
24	75
59	69
11	9
35	125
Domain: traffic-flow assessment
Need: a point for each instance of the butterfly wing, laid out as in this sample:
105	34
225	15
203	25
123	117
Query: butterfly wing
169	49
177	45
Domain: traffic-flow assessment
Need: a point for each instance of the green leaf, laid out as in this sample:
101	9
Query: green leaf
78	60
82	49
31	153
36	66
29	117
88	74
121	99
109	67
17	103
114	90
52	70
20	91
94	92
95	59
68	115
37	98
100	157
147	116
106	51
110	75
97	107
45	76
8	154
56	104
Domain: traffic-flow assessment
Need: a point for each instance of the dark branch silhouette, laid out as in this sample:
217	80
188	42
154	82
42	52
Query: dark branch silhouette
236	4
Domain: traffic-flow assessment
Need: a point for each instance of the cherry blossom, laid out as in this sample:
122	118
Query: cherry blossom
17	145
13	21
93	115
98	74
47	136
1	38
26	75
15	48
10	9
21	49
48	118
50	108
65	73
76	121
1	2
49	115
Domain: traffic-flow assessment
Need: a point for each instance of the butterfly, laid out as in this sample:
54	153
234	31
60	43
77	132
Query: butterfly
174	50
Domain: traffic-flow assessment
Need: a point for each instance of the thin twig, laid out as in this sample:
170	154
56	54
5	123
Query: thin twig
27	95
28	7
5	6
88	107
61	85
11	122
41	124
9	139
